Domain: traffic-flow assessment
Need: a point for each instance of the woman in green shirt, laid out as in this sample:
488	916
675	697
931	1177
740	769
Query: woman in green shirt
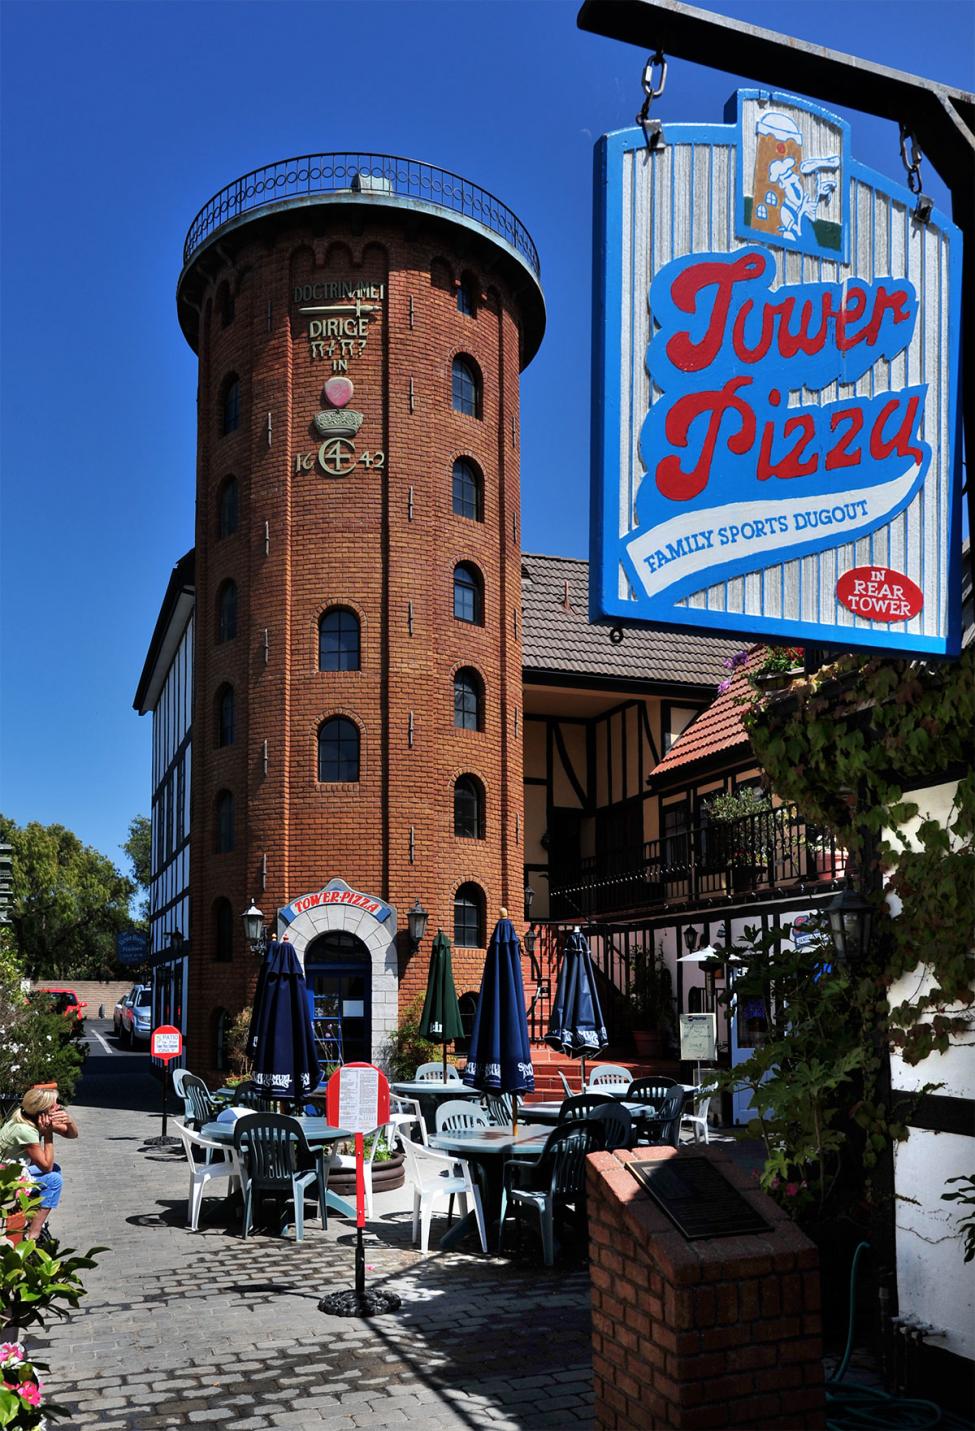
28	1135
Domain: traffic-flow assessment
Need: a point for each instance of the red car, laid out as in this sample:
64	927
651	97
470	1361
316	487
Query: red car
66	1001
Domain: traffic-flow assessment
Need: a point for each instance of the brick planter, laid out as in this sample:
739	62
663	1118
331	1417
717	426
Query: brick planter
715	1333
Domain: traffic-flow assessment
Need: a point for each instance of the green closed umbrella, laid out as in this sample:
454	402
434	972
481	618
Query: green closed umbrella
440	1020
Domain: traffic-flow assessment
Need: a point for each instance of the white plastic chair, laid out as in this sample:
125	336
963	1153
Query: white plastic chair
609	1075
435	1176
226	1166
566	1086
403	1114
458	1113
696	1114
433	1073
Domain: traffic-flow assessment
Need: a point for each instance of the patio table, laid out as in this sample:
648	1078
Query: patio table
318	1133
431	1094
487	1150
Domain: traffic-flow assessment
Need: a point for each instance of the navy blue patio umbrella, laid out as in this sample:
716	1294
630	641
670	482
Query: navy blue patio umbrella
499	1059
285	1055
576	1027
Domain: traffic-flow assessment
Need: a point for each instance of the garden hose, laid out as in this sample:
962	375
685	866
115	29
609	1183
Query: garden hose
866	1408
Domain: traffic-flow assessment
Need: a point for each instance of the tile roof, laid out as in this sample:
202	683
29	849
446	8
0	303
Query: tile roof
717	730
559	637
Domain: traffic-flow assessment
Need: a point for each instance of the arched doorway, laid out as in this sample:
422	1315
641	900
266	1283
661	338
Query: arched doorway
338	971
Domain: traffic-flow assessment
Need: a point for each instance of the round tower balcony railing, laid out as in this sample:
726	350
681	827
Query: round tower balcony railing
377	176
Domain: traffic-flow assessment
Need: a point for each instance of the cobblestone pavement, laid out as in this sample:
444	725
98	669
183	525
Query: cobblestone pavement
184	1329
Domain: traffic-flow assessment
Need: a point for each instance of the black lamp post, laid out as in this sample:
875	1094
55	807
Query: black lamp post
850	921
690	939
254	929
416	919
529	900
529	941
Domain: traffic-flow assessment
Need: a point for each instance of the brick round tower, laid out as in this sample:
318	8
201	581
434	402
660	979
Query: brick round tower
360	323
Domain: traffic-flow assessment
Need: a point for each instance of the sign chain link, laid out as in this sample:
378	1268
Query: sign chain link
651	127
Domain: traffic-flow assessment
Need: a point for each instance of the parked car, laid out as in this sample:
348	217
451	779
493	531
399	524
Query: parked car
137	1016
117	1013
66	1001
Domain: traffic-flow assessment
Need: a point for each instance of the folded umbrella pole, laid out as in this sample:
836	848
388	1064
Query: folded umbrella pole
285	1054
576	1027
499	1059
440	1021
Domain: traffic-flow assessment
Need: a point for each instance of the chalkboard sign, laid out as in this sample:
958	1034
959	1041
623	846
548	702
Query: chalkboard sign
697	1197
698	1038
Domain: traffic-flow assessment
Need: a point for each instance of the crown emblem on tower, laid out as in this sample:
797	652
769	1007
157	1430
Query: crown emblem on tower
338	420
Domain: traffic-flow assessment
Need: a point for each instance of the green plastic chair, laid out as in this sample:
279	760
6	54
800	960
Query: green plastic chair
498	1108
200	1107
275	1158
555	1181
668	1105
583	1105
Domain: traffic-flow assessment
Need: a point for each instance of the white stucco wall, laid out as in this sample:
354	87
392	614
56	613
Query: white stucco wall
379	937
934	1283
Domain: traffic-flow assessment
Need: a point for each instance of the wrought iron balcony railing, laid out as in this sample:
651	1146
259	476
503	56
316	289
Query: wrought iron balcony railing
773	849
374	174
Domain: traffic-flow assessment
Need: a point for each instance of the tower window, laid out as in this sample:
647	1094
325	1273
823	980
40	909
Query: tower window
468	700
466	387
338	751
227	611
230	407
228	507
467	491
468	808
226	716
467	297
469	917
225	822
468	594
338	640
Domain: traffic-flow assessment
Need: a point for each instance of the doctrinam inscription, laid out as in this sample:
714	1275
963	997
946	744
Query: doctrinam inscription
337	314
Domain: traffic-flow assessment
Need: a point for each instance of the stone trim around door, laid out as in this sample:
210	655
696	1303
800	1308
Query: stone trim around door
378	935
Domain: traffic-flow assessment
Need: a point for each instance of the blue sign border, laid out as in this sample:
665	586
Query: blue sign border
606	545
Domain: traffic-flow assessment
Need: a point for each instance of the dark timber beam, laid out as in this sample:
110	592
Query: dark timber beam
942	119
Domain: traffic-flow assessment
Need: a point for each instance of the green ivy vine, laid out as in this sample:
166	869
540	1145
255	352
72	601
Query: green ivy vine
844	744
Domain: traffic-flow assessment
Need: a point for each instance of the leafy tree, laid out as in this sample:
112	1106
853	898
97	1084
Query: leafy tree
69	902
37	1044
138	847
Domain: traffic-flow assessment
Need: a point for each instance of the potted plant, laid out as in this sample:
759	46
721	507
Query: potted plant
778	668
388	1172
741	839
653	1004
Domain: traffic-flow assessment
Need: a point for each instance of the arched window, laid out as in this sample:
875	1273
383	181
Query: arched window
467	1005
228	507
338	640
465	389
226	716
468	808
467	491
338	750
223	930
469	921
467	296
468	594
230	405
227	611
468	700
225	822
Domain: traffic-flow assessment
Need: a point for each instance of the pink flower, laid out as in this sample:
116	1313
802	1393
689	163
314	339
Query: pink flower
775	1183
30	1392
724	685
792	1189
11	1352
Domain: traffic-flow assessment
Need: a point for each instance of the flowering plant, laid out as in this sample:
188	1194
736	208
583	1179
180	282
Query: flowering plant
21	1390
777	660
731	665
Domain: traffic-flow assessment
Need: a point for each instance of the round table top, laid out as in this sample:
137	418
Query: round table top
479	1142
454	1087
316	1130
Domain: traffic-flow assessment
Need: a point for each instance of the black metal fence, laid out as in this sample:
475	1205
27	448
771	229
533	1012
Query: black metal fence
768	850
371	173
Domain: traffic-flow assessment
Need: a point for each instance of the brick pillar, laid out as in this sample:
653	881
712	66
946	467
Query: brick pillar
716	1333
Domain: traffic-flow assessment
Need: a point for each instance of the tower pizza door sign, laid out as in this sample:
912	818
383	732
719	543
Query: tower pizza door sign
775	389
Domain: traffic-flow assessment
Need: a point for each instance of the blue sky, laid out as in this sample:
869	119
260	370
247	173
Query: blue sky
119	120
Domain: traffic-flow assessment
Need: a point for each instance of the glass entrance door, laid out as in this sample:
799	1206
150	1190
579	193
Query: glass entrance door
338	972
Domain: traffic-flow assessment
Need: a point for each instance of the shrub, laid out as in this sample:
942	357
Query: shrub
406	1049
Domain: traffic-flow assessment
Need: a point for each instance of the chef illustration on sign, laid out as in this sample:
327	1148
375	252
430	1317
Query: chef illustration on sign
781	202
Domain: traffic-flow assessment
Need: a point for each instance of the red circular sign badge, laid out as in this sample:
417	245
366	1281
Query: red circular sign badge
878	593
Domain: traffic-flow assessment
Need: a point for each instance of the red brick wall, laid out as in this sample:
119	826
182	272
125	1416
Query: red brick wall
350	541
717	1333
